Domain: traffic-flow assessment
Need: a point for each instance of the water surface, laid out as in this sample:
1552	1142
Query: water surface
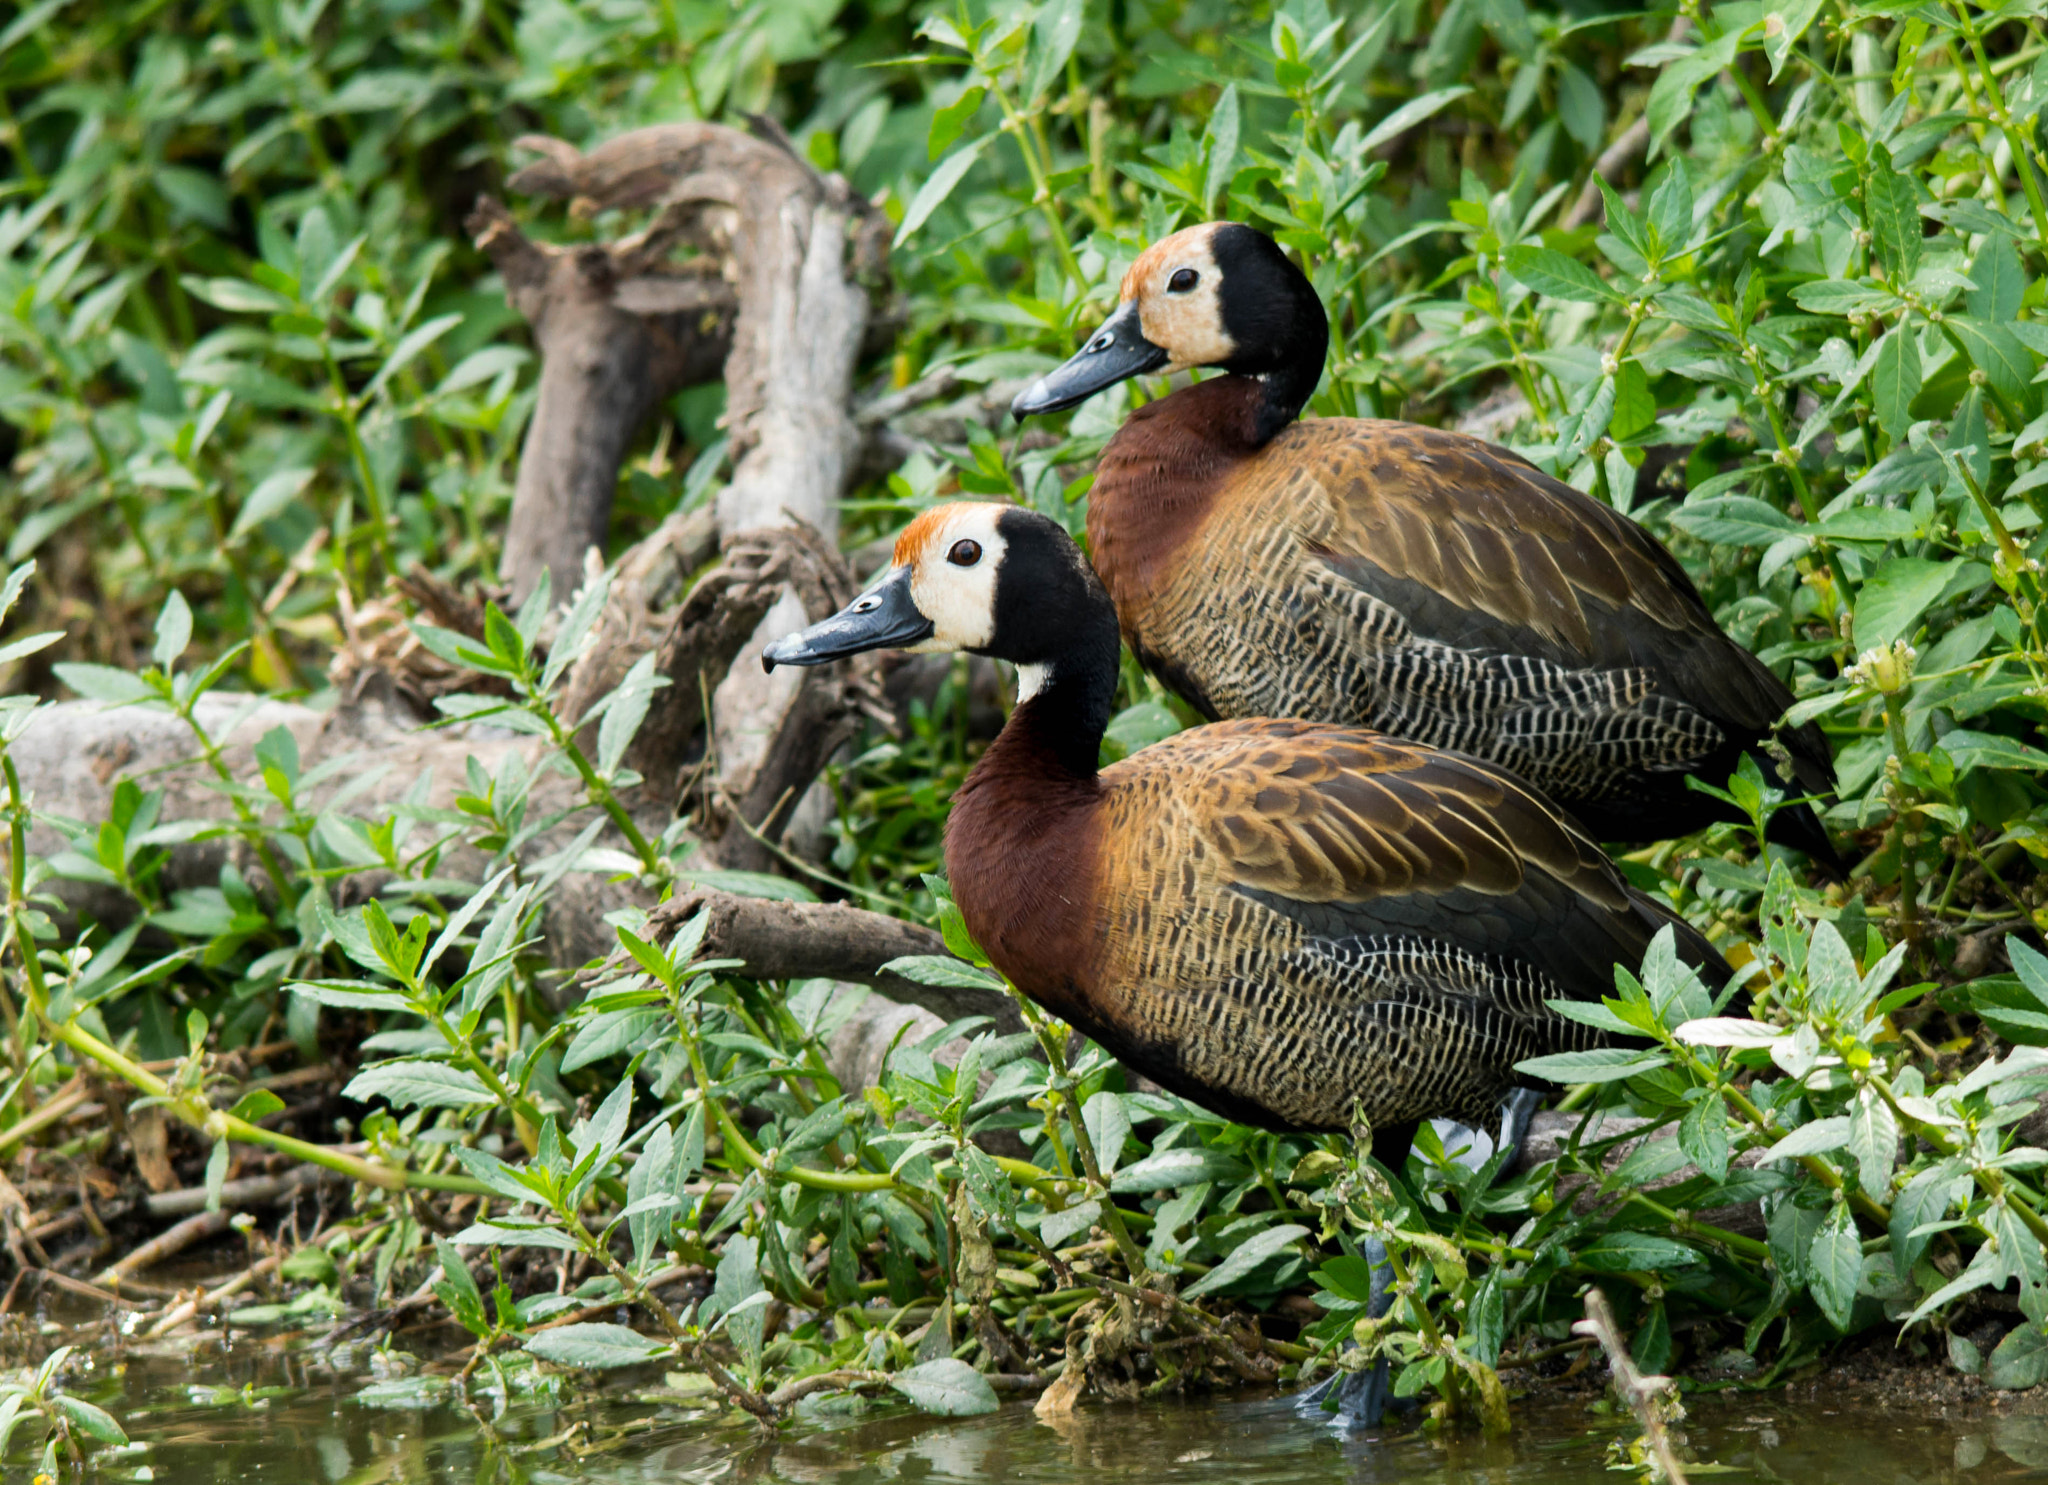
266	1411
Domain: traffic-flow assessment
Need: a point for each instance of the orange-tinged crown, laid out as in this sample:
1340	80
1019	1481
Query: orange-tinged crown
923	533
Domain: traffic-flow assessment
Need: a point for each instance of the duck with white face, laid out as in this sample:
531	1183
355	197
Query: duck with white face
1406	578
1288	922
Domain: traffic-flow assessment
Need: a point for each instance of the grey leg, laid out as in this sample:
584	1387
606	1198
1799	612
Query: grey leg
1358	1399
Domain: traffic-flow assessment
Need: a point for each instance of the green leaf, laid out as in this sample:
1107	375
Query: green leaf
1601	1065
1109	1125
173	631
87	1419
1834	1266
1053	36
1551	273
516	1235
1893	210
1634	1253
948	1387
937	969
1842	297
1996	352
2020	1360
950	122
1186	1166
613	1033
1703	1135
1635	408
1817	1138
258	1103
1873	1144
2001	281
1247	1256
747	884
937	187
409	1083
1406	117
277	490
1895	379
594	1346
1970	750
1219	142
1893	598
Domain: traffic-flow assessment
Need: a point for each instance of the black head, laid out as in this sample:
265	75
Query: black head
1221	294
996	580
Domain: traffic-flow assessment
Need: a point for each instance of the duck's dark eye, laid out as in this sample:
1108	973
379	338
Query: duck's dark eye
965	553
1183	280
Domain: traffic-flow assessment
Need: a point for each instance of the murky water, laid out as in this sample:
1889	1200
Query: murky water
261	1413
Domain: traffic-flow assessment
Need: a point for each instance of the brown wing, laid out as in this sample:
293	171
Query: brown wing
1481	550
1353	835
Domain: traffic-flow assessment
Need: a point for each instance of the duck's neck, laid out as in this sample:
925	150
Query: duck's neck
1022	840
1159	475
1055	733
1282	396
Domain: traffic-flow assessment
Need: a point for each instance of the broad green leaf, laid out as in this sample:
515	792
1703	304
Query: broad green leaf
1053	36
92	1421
1220	142
1893	598
950	122
1873	1144
594	1346
1407	116
2020	1360
1834	1266
937	969
173	631
1634	1253
1108	1127
1247	1256
947	1387
1894	213
1703	1134
1551	273
1895	379
515	1235
937	187
277	490
409	1083
1186	1166
1817	1138
1601	1065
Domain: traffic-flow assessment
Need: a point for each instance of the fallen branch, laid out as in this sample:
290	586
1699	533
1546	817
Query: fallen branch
804	941
1644	1395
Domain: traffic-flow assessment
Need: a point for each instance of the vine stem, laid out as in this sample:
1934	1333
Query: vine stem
1055	1056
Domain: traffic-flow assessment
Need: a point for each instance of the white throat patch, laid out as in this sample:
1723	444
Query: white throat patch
1031	680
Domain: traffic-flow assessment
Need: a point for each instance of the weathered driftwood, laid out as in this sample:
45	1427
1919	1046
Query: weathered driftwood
778	298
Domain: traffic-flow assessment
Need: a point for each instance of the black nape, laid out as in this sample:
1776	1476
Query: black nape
1271	311
1052	610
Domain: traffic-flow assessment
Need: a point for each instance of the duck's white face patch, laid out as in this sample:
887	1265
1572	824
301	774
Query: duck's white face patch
953	552
1185	322
1031	679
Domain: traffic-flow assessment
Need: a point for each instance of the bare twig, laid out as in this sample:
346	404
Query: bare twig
166	1244
1643	1394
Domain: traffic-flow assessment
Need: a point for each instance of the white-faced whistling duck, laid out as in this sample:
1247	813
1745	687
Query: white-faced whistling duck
1417	581
1278	919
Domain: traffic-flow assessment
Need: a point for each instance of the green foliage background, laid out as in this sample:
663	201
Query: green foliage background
248	357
